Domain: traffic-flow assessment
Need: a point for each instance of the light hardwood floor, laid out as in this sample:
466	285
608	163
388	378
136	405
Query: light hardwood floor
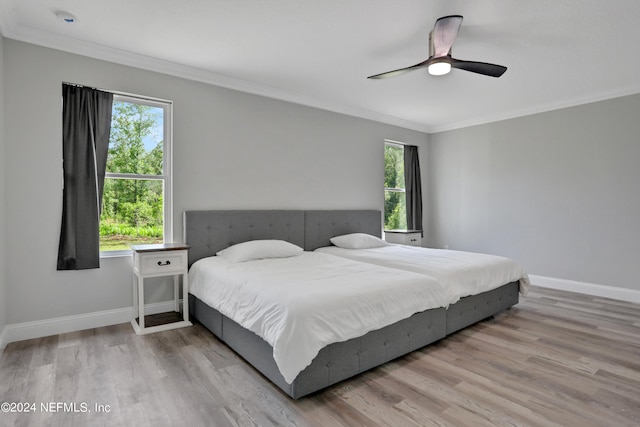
555	359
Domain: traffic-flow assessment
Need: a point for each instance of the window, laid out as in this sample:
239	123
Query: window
395	202
136	203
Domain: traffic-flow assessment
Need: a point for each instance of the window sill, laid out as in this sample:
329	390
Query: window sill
115	254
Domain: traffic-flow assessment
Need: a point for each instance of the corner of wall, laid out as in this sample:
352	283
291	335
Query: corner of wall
3	274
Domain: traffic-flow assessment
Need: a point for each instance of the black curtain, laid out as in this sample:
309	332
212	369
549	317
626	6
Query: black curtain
413	187
86	125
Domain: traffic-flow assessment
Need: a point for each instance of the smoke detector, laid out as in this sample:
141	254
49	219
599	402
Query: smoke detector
66	17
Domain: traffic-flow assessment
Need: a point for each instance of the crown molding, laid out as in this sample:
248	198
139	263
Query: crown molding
10	30
7	20
545	108
105	53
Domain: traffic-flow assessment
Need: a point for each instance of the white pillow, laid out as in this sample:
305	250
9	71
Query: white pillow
260	249
358	241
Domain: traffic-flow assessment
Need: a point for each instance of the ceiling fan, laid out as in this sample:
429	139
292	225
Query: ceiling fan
440	61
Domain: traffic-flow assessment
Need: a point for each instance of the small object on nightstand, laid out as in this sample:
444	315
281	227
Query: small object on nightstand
404	237
156	260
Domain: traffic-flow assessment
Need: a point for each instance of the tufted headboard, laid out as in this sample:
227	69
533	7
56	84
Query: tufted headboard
320	226
209	231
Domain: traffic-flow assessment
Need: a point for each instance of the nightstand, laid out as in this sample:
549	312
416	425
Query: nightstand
404	237
156	260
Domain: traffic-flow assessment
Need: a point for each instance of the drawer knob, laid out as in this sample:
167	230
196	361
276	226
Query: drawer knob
160	263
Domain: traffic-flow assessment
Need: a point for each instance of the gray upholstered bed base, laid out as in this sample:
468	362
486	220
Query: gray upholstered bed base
210	231
343	360
335	362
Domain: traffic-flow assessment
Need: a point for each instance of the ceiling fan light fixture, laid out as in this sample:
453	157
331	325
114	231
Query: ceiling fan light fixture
440	61
439	68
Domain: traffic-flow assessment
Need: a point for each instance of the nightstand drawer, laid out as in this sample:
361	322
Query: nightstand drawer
163	263
404	237
413	239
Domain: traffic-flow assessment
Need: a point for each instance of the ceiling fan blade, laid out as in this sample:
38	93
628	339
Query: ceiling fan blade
441	39
444	34
484	68
399	71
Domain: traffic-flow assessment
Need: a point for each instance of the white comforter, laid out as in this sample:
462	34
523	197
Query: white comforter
303	303
465	273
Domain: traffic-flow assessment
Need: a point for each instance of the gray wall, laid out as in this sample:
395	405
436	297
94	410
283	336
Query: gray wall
231	150
3	275
558	191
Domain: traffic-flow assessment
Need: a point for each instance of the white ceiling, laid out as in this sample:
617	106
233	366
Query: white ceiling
319	52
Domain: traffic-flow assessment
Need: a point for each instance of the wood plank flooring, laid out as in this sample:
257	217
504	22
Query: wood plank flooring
555	359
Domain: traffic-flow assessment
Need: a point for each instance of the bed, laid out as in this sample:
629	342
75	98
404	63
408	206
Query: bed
299	302
464	273
208	232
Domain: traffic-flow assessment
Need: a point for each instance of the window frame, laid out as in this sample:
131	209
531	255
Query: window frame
167	165
397	144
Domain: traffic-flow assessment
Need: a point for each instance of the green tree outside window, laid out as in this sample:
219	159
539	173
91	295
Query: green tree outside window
395	206
132	203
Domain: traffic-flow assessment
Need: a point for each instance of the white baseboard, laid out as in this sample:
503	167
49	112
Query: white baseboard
622	294
3	341
79	322
60	325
